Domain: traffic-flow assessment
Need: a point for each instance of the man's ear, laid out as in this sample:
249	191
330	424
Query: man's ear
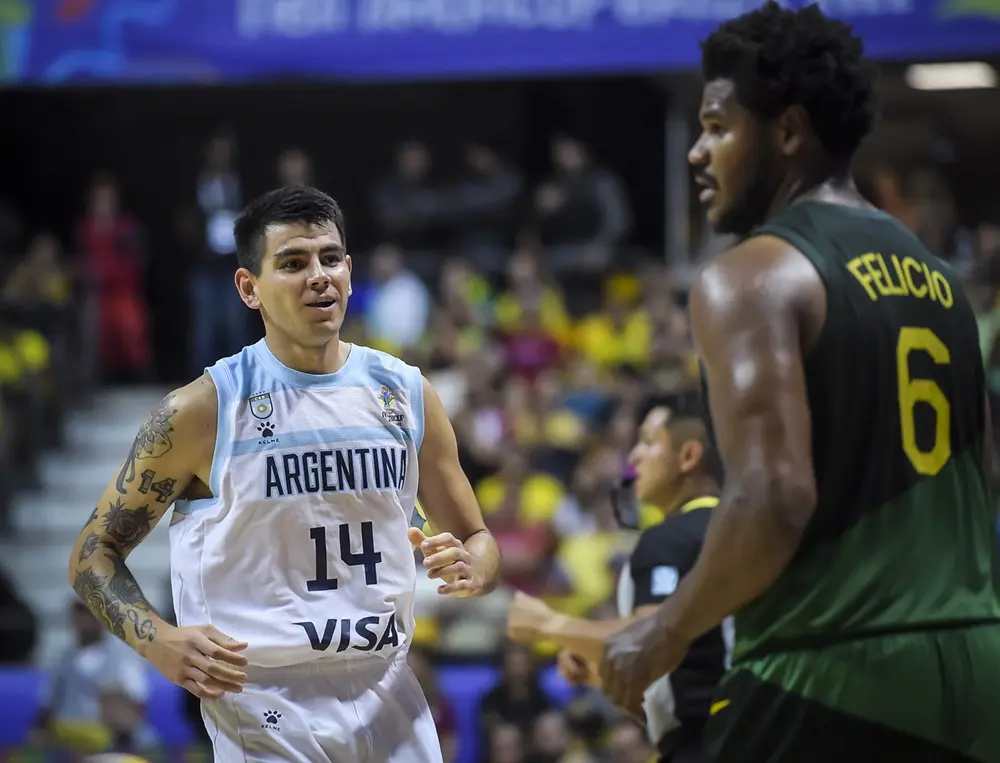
246	285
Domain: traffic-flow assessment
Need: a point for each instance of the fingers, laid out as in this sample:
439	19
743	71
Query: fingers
200	691
416	536
460	588
221	647
221	675
451	561
438	542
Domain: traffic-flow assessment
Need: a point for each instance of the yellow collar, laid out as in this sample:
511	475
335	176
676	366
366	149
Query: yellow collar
705	502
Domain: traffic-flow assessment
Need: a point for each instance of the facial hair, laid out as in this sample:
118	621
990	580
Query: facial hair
756	187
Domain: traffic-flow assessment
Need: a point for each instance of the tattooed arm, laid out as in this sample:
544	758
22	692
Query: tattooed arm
170	457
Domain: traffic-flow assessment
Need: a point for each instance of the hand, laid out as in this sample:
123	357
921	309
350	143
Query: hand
576	671
527	618
201	659
635	657
446	558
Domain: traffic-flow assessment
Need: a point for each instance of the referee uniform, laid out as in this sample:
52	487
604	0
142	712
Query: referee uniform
677	705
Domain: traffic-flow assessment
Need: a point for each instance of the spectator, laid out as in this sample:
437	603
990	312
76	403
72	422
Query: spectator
627	744
399	306
529	349
550	738
581	211
518	699
218	316
482	205
111	244
95	697
294	168
40	284
505	744
408	206
620	334
528	290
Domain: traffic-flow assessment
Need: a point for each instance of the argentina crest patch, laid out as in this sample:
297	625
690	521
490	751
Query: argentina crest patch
260	405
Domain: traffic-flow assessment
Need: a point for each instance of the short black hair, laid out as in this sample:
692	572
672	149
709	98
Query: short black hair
779	58
289	204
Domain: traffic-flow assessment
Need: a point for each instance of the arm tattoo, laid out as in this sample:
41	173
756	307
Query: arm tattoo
109	590
128	527
163	489
92	541
90	545
152	440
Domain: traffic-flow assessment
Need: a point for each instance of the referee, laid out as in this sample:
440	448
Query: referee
673	472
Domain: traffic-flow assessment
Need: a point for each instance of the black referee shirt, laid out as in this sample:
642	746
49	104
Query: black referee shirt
664	554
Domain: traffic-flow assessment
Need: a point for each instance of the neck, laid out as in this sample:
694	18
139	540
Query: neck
817	184
324	359
696	486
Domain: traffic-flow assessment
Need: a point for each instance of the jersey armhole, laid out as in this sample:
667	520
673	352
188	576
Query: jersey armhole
224	392
417	406
812	255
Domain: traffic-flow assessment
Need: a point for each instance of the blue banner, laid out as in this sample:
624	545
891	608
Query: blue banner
64	41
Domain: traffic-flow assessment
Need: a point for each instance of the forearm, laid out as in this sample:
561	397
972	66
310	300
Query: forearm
485	562
747	546
584	638
107	587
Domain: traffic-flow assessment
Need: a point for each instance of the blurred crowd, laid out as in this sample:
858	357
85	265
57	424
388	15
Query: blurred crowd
542	326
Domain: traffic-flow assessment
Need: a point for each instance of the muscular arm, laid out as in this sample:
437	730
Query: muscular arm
588	638
172	448
747	312
447	497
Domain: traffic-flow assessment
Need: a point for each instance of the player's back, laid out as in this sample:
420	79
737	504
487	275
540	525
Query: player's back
303	551
903	534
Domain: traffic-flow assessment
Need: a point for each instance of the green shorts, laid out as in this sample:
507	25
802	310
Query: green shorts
919	697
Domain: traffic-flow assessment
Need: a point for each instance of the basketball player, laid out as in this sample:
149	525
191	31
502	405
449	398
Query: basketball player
672	473
855	536
295	467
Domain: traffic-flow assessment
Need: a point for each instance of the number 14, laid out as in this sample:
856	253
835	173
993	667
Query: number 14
369	558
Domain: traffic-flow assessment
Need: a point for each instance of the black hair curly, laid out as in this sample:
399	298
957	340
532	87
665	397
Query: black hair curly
779	58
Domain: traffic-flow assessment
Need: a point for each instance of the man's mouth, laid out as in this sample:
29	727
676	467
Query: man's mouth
323	304
708	189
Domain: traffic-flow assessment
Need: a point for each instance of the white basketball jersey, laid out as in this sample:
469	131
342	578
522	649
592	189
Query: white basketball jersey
303	552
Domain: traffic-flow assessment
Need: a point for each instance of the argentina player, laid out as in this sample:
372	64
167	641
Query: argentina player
294	464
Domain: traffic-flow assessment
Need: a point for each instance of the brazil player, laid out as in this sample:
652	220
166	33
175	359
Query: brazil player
294	466
855	536
672	463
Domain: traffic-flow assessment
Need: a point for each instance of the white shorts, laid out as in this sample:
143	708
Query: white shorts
361	711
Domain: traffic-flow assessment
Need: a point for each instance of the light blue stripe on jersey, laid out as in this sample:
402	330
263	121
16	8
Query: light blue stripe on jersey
324	436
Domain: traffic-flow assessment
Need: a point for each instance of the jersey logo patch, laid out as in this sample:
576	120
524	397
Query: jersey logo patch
271	720
664	581
389	410
260	406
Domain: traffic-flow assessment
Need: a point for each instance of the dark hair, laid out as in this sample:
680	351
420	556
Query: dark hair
290	204
779	58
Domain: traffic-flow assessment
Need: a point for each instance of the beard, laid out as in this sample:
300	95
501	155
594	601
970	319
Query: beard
754	192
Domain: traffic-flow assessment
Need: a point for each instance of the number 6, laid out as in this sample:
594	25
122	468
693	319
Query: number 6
913	391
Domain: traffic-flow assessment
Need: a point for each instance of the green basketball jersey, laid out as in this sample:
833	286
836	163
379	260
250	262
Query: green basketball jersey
904	531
